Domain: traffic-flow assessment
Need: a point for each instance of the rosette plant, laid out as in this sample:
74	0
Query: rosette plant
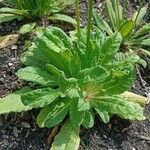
76	78
135	31
35	9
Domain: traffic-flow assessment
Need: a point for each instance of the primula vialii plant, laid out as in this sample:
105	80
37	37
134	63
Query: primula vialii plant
134	31
76	77
35	9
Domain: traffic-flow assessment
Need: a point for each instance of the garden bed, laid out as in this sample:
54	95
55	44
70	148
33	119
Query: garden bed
19	131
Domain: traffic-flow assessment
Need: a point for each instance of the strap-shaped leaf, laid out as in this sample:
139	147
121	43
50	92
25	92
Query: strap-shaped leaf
141	14
126	28
111	13
53	114
67	139
8	17
110	48
101	23
57	56
62	36
36	75
14	11
142	31
76	116
145	42
12	103
104	115
93	74
132	97
63	18
40	97
119	106
88	120
120	81
27	28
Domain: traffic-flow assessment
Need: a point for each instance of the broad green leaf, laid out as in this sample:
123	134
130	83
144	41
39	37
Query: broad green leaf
145	42
67	139
76	116
8	17
93	74
8	10
40	97
61	35
88	120
53	114
104	115
119	82
83	105
101	23
56	56
63	18
110	47
27	28
36	75
120	107
12	103
141	14
126	28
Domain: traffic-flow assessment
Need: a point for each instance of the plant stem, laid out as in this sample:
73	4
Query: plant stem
90	14
78	18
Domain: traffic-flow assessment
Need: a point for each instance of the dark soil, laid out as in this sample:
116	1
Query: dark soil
20	132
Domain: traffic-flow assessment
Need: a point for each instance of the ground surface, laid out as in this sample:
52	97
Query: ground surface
19	131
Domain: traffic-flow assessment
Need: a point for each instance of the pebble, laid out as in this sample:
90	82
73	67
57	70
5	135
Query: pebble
10	64
14	47
15	131
25	124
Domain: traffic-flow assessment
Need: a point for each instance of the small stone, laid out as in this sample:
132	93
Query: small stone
10	64
25	124
14	47
15	131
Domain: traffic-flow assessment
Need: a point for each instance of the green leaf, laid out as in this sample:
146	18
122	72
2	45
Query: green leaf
110	48
53	114
27	28
8	10
120	107
12	103
145	42
101	23
111	13
83	105
103	115
67	138
142	31
76	116
93	74
141	14
40	97
36	75
126	28
63	18
88	120
8	17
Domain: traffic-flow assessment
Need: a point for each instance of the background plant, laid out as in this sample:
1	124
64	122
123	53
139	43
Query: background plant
134	31
33	9
77	77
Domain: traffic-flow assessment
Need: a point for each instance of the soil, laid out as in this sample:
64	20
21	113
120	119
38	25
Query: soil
18	131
